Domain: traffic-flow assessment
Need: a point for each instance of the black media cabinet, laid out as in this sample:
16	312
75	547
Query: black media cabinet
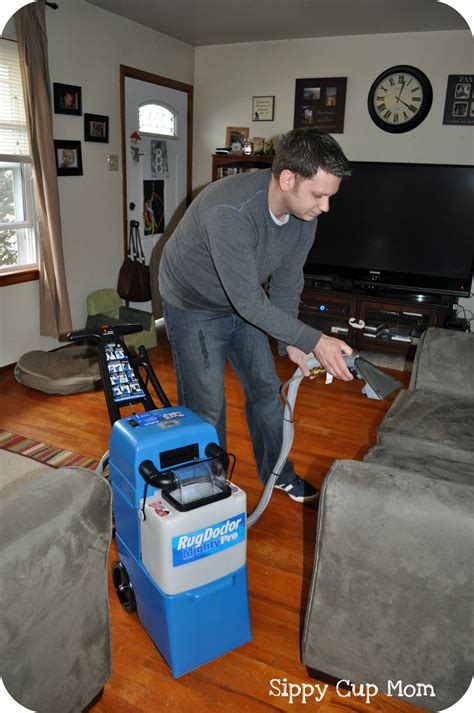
394	321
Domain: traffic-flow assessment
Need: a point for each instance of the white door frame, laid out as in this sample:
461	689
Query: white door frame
164	82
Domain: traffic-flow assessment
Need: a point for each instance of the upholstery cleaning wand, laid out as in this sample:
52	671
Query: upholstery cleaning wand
378	385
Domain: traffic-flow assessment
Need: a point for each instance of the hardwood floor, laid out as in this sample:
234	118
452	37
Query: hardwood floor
333	421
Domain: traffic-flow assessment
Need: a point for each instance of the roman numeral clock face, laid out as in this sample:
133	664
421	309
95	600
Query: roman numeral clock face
400	99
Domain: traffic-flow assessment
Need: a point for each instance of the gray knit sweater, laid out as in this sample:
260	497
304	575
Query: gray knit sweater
225	248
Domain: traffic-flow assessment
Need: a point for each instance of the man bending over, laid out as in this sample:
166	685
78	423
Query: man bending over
232	274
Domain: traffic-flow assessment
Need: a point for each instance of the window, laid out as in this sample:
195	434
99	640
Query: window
17	238
157	119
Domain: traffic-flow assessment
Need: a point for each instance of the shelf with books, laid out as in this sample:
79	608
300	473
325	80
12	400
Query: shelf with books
226	165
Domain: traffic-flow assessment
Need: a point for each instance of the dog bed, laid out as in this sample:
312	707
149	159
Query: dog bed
71	370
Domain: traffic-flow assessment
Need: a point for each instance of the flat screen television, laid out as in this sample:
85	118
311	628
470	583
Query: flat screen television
398	226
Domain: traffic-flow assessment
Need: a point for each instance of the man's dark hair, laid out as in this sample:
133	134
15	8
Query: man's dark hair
304	151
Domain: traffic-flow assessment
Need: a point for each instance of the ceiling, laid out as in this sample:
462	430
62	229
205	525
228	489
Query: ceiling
213	22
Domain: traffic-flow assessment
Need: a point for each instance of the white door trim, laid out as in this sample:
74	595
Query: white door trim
165	82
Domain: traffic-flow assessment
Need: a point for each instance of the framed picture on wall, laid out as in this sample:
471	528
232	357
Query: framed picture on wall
67	99
235	136
153	207
263	108
321	103
459	102
68	158
96	128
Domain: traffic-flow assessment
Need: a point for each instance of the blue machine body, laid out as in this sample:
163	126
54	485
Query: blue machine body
197	625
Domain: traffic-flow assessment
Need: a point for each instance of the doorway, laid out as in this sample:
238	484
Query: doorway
156	126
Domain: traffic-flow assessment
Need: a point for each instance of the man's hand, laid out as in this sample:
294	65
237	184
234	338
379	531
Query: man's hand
328	351
299	358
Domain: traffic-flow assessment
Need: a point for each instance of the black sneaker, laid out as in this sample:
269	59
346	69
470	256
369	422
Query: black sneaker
298	489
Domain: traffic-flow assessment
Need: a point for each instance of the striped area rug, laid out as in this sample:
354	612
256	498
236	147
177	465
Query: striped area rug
44	453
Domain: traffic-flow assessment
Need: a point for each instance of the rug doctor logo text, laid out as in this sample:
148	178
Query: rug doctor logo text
208	540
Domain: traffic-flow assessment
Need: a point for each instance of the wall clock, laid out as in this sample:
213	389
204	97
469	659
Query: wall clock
400	99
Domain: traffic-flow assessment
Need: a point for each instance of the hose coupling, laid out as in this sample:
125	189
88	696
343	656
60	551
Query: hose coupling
317	371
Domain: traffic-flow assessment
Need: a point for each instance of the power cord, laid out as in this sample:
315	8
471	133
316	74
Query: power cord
462	313
234	460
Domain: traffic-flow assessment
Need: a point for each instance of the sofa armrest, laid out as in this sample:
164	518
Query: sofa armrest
444	361
391	594
55	532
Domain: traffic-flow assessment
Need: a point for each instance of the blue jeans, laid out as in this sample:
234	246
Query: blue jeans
202	342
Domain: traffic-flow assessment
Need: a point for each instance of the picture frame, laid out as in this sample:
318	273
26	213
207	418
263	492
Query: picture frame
96	128
263	108
236	135
68	158
459	101
321	103
67	99
153	207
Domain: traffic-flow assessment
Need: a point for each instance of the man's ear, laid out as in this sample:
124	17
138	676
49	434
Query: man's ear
287	180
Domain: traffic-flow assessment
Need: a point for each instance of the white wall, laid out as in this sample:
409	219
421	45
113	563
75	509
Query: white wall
86	46
227	76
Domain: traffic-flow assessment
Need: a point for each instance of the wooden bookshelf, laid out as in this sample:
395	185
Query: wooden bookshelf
228	164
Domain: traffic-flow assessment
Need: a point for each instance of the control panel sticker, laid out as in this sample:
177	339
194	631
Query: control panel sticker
169	424
150	418
123	380
208	541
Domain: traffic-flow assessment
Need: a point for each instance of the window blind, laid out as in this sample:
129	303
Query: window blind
13	131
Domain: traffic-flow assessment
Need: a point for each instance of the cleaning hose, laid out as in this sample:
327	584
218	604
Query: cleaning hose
378	385
288	392
292	386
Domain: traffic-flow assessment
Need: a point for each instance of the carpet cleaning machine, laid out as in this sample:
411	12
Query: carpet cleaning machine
180	523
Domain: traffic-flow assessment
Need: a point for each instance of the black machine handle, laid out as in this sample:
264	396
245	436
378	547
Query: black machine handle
98	332
106	336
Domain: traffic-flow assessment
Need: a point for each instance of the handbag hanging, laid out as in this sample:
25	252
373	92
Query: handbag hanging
134	276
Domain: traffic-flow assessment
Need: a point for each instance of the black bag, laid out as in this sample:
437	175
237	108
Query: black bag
134	276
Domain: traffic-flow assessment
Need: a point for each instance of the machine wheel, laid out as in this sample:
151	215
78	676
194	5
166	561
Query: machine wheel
123	587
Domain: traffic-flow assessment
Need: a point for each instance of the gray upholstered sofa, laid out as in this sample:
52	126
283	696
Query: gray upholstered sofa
55	530
391	599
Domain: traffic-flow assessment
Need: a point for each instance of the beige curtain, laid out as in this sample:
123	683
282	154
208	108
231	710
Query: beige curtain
55	314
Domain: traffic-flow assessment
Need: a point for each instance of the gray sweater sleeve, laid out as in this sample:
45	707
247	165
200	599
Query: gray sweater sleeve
235	264
286	285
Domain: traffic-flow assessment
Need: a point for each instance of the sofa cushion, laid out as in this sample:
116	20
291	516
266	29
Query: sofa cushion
391	593
431	424
438	468
444	362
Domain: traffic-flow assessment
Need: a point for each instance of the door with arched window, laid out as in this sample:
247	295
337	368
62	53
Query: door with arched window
156	139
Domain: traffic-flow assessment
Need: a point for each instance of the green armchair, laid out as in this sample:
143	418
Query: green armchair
105	306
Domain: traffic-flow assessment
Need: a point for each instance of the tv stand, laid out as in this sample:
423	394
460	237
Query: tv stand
393	321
